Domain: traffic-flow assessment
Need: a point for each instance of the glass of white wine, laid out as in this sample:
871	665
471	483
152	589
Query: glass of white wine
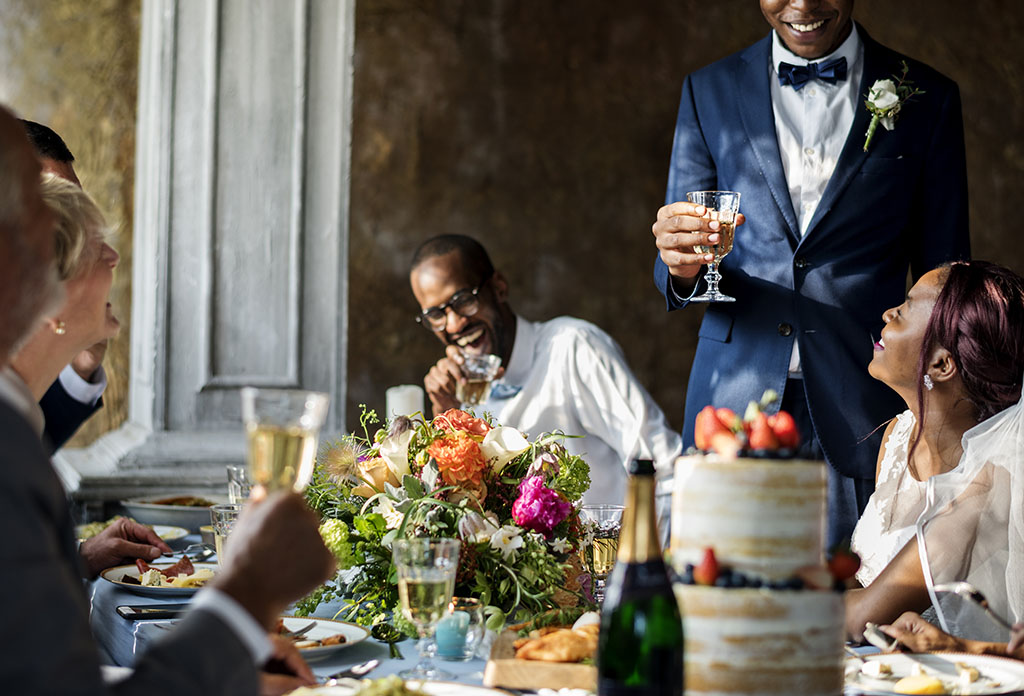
604	522
722	206
282	426
426	581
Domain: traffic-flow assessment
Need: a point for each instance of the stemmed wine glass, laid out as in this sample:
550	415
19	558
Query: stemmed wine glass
605	522
723	207
282	426
426	581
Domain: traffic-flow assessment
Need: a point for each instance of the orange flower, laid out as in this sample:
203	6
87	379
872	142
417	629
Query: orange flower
454	419
459	459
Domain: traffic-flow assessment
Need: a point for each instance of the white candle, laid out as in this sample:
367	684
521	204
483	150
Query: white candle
404	400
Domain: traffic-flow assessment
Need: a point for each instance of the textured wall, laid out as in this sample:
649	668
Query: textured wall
544	128
72	65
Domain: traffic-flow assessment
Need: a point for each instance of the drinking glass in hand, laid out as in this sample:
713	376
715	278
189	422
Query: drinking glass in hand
282	426
599	556
723	207
479	371
426	581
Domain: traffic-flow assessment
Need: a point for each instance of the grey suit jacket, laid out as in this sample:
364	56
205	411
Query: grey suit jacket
44	613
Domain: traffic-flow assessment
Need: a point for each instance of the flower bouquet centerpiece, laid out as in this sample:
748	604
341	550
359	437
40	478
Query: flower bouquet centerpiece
511	502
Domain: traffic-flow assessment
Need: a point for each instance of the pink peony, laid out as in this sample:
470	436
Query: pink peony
539	508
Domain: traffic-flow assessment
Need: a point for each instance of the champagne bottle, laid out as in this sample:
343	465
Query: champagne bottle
640	649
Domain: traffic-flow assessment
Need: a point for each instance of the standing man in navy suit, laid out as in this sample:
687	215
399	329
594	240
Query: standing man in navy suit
830	231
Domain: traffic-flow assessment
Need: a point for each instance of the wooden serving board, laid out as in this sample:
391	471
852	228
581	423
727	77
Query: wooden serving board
503	669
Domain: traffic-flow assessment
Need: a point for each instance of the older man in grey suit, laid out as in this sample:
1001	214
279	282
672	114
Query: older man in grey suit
48	648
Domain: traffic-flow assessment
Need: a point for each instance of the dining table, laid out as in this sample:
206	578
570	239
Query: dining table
120	640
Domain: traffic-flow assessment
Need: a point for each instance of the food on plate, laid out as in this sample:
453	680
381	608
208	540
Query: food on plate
747	540
181	574
91	529
184	501
559	644
876	669
919	684
966	674
303	642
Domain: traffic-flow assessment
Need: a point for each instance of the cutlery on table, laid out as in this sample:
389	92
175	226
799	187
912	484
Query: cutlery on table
970	592
299	632
351	672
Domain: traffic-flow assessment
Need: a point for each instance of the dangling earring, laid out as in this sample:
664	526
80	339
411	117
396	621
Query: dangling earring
928	383
60	328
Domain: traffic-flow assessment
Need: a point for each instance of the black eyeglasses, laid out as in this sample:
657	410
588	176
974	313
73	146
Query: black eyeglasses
464	303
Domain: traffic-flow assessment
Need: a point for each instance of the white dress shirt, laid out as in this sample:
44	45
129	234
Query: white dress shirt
573	377
80	389
812	125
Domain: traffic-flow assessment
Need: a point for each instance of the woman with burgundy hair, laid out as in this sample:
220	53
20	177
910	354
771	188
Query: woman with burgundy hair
954	350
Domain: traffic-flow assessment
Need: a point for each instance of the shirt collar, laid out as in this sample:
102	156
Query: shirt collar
521	361
849	49
16	393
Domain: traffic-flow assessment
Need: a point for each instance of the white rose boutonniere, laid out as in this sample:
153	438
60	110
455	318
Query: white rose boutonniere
884	101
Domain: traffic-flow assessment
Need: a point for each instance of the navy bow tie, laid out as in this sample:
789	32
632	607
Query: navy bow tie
797	76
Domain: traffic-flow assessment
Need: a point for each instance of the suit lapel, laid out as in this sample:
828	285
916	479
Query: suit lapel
852	157
755	100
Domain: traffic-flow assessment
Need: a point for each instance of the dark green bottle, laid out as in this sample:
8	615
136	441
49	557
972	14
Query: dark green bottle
640	649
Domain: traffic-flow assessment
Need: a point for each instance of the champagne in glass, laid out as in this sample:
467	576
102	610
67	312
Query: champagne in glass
282	427
426	580
722	206
599	557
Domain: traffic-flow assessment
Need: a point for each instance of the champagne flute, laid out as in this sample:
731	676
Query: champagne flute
723	207
426	581
599	556
282	426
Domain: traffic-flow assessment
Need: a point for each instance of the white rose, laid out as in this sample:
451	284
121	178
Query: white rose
882	95
395	451
501	445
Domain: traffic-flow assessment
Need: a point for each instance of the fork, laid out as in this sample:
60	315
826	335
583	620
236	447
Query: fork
299	632
353	671
972	593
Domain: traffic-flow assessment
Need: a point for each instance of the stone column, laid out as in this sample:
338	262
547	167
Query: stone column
240	234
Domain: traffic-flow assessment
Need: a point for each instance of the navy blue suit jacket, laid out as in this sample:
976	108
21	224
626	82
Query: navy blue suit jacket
900	206
63	415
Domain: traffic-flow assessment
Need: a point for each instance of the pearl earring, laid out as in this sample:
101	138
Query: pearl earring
60	328
928	383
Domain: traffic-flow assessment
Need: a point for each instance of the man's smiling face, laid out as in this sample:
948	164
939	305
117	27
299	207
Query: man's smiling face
810	29
437	279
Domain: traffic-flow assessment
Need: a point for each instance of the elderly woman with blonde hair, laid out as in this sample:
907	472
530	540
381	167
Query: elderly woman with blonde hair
85	264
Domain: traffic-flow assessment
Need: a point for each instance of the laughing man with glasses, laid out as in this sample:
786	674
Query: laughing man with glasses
563	374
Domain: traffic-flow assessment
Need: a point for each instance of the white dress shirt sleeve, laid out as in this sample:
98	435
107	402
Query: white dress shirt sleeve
81	390
241	623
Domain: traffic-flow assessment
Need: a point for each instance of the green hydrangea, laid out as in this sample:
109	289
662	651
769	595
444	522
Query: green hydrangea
573	479
335	534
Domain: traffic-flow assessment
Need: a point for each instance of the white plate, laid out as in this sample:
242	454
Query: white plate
999	675
432	687
115	574
324	628
165	532
169	533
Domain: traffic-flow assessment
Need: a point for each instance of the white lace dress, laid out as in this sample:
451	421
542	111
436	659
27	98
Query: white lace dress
889	518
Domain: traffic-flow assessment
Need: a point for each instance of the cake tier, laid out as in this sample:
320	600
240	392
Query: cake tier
762	517
762	642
